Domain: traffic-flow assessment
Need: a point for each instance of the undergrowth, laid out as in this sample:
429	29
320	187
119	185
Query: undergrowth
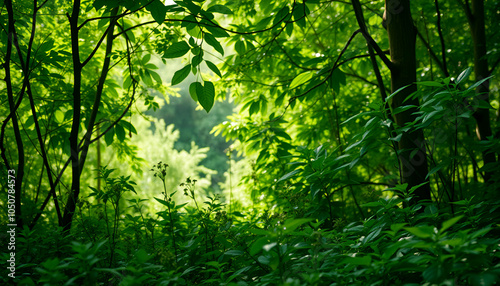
205	245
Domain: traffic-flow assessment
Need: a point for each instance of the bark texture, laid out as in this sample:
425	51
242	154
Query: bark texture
402	40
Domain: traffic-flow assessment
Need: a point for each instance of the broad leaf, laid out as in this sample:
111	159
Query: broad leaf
194	89
207	95
181	75
301	79
177	50
220	9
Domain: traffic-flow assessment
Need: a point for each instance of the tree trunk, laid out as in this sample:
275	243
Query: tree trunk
77	159
402	40
19	174
475	16
73	138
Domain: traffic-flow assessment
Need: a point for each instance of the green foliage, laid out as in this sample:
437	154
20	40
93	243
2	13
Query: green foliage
319	197
185	245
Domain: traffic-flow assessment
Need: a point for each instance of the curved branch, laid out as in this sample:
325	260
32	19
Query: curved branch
369	39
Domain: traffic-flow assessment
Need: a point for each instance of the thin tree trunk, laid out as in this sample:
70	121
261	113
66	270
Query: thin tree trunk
78	161
475	16
75	128
13	107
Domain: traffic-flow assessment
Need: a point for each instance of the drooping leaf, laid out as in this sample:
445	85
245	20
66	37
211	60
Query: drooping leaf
206	98
194	89
158	11
108	137
181	75
210	39
120	132
214	68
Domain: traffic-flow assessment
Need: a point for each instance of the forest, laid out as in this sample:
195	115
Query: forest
240	142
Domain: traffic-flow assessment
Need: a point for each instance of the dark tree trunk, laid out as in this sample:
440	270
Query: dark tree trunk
402	40
475	16
78	158
13	105
75	128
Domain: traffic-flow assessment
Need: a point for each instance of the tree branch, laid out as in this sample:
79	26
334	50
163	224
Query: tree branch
441	38
371	42
100	87
431	52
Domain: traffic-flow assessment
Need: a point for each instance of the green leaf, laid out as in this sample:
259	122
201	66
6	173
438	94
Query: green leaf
195	32
340	76
158	11
299	14
214	68
258	244
289	175
176	50
269	246
424	231
300	79
479	83
216	31
189	22
237	273
484	278
233	252
281	15
464	75
206	98
292	224
163	202
59	115
434	274
264	260
108	137
221	9
210	39
181	75
146	59
146	77
400	109
120	132
240	47
127	125
430	83
197	60
254	108
365	260
155	76
449	223
372	235
194	89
